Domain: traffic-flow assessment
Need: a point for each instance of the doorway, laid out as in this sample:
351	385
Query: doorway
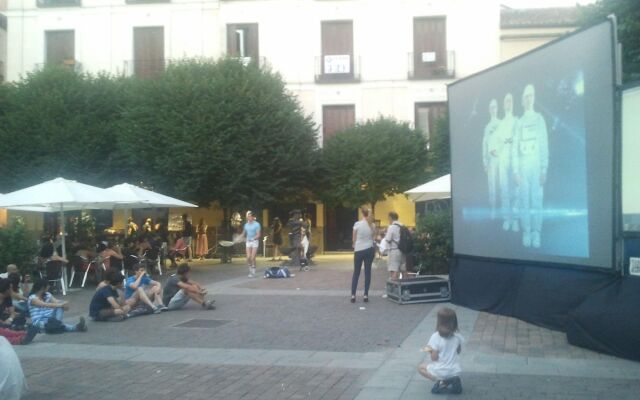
339	228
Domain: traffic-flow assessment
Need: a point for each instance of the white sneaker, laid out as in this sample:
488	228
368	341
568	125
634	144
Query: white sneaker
535	239
526	239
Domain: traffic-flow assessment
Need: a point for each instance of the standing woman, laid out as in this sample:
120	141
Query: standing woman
364	251
202	243
276	237
251	233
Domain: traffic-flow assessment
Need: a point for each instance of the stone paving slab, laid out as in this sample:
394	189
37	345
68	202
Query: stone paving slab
106	380
316	323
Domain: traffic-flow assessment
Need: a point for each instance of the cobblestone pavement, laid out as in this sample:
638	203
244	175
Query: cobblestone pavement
301	339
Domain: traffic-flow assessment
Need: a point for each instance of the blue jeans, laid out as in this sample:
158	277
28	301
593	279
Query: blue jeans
359	257
58	314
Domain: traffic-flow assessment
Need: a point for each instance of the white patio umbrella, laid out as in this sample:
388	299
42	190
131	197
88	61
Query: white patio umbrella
439	188
137	197
60	195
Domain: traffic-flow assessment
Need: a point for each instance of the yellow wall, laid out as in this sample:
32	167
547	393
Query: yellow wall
34	221
399	203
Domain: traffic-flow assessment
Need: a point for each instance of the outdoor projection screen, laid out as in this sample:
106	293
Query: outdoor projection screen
532	153
631	159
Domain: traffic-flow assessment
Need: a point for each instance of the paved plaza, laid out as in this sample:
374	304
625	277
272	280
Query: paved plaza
301	338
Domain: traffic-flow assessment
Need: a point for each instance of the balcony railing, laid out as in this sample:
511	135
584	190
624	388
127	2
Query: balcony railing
337	69
59	3
432	65
74	65
262	61
145	68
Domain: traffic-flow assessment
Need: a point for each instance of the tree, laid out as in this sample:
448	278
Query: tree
628	16
56	122
17	246
218	131
371	161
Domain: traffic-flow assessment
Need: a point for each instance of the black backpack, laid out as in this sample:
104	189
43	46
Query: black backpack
405	244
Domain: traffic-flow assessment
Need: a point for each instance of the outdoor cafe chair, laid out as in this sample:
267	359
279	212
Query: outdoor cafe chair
53	273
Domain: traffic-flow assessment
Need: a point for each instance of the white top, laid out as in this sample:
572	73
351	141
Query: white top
364	235
393	235
447	365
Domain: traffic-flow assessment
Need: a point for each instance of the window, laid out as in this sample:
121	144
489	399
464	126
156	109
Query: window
336	119
430	58
60	48
243	42
337	61
148	51
426	115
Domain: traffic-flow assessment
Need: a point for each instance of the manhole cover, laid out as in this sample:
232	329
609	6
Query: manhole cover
202	323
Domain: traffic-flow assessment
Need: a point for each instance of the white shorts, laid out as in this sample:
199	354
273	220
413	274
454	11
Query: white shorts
252	244
395	261
441	372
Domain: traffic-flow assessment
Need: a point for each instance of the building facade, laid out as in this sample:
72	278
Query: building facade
345	60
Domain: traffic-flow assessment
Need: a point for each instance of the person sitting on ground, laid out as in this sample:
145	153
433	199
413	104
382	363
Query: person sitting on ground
105	305
43	308
17	293
180	289
12	381
9	319
144	289
444	346
179	249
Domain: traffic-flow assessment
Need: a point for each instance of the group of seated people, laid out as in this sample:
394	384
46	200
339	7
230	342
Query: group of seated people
24	313
117	298
23	316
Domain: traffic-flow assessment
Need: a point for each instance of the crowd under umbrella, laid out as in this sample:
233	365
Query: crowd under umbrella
60	195
436	189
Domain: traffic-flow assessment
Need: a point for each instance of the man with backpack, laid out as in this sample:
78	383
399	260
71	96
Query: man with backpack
399	244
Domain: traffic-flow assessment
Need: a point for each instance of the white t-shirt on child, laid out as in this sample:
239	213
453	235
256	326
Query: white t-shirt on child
447	365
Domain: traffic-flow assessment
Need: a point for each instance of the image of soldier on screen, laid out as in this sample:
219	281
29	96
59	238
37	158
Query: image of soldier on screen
530	161
490	148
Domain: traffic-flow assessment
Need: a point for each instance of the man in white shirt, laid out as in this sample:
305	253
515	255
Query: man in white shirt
396	259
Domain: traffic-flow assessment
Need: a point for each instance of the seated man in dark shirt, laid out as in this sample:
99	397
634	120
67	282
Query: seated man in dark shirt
105	306
180	289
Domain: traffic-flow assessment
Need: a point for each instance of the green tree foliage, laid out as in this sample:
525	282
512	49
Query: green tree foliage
628	15
434	242
17	246
218	131
439	155
371	161
59	123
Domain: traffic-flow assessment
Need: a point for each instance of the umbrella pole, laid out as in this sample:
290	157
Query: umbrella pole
64	252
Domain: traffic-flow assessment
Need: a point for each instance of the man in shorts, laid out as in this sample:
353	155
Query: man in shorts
104	304
396	260
251	233
141	289
179	289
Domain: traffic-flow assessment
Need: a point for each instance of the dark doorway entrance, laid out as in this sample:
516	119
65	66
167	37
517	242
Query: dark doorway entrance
339	227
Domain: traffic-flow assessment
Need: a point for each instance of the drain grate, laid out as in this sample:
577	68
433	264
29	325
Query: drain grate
203	323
